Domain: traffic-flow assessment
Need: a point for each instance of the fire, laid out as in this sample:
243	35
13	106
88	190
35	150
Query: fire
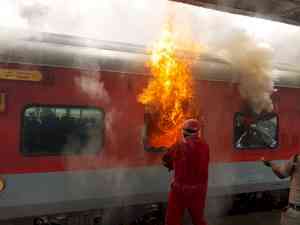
169	94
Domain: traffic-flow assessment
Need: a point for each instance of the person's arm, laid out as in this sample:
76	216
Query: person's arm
281	171
168	158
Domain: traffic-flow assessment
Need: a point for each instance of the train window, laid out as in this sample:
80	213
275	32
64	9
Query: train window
255	132
52	130
149	132
154	139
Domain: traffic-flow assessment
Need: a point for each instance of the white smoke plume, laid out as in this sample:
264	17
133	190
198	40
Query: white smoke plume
135	21
94	87
91	84
252	63
113	20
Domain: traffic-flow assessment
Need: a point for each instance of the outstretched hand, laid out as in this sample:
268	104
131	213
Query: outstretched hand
167	162
266	162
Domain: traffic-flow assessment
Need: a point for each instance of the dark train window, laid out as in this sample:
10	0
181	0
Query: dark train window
52	130
255	132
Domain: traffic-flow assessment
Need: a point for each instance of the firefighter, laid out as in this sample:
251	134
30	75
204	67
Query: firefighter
291	168
189	158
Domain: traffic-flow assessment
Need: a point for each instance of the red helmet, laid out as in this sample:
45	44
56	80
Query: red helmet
191	127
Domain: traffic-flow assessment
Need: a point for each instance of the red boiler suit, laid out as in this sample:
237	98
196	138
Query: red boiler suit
190	160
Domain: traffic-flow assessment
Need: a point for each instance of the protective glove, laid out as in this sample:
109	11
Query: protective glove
167	161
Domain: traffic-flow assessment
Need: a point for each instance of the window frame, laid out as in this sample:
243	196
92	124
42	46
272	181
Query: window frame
255	148
21	132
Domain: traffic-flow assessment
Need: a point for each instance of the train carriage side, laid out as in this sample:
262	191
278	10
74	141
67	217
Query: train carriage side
69	145
64	149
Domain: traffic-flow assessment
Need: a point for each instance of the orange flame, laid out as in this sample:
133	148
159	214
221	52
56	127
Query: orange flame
169	93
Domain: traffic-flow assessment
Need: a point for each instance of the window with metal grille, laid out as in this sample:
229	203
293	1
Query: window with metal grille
56	130
255	132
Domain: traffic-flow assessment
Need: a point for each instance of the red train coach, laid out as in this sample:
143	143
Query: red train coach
72	135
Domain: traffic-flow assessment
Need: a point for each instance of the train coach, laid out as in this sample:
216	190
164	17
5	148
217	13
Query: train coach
73	136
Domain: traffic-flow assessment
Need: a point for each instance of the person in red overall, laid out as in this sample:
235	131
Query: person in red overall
190	160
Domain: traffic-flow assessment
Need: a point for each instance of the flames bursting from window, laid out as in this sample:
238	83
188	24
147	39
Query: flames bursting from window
169	96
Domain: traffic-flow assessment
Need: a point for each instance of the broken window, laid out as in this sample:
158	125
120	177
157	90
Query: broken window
55	130
154	139
252	132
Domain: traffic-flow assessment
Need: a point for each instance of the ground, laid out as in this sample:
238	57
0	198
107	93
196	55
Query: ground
259	218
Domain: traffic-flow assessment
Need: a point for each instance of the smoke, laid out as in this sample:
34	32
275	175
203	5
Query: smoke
34	11
91	84
105	18
136	22
113	20
111	117
252	63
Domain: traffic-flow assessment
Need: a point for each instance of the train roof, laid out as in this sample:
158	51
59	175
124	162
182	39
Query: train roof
287	11
55	50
